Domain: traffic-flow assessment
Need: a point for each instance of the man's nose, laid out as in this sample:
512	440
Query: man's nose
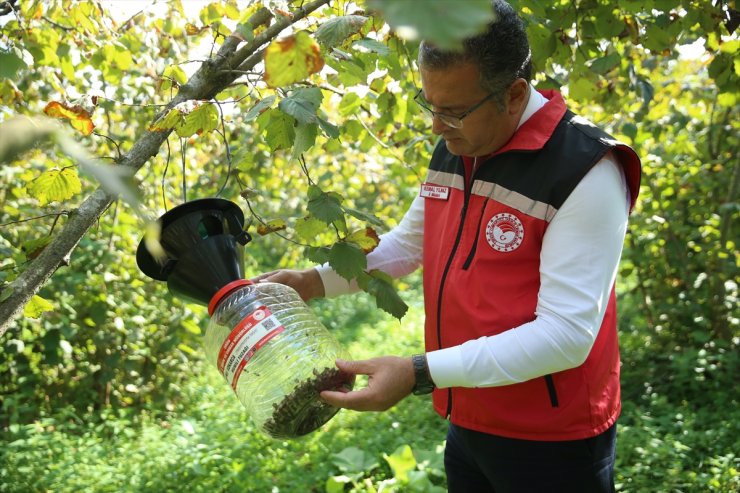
438	125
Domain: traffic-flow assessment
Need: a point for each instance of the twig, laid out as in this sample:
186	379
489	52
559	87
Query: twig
55	214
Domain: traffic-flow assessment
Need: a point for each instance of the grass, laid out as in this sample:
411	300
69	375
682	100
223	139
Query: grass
668	441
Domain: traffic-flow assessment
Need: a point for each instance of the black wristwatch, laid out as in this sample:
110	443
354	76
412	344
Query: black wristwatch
424	383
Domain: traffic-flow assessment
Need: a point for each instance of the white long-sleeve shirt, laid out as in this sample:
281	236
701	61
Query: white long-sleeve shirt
578	265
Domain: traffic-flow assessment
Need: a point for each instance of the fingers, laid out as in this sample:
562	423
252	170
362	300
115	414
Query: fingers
390	379
264	276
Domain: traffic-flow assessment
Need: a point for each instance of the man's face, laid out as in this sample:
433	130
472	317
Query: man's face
453	91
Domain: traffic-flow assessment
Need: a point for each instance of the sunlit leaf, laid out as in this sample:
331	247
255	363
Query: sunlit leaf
173	76
292	59
202	119
280	130
308	228
77	116
367	239
167	122
444	23
401	462
36	307
271	226
334	31
56	185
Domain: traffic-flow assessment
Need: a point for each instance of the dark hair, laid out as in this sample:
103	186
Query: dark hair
501	52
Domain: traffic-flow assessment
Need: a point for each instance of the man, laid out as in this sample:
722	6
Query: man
519	227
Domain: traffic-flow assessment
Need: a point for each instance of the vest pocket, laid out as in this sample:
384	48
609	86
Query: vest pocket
551	390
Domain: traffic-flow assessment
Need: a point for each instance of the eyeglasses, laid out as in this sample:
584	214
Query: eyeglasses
449	120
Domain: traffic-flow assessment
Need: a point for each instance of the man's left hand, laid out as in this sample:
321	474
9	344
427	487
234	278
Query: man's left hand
390	379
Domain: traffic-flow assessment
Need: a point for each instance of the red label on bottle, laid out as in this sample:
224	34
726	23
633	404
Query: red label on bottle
253	332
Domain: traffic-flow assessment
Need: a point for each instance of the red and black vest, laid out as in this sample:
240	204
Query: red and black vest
476	285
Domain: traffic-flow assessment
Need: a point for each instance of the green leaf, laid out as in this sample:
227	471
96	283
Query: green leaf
244	31
308	228
367	217
326	206
32	248
334	31
6	293
259	108
36	307
9	65
353	460
173	76
55	185
347	260
401	461
380	285
605	64
202	119
319	255
372	46
280	130
336	484
305	137
350	104
303	104
331	130
444	23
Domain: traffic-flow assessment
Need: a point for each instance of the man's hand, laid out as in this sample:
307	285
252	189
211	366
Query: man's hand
390	379
307	282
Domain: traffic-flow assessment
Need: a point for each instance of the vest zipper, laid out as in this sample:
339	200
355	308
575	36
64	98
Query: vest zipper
469	260
446	271
551	390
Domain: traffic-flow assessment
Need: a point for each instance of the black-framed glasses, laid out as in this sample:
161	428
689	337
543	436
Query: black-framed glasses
449	120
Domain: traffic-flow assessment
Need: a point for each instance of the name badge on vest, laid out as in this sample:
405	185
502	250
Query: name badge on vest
434	191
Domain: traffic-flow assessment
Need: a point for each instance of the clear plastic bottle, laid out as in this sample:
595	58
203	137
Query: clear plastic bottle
276	355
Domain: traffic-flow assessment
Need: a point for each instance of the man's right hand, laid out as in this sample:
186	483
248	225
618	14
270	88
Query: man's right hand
306	282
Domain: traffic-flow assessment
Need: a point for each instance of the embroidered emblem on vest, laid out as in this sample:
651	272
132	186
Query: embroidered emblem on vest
504	232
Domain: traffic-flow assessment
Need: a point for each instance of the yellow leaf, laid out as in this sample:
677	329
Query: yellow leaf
292	59
168	122
77	116
271	227
367	239
55	185
36	307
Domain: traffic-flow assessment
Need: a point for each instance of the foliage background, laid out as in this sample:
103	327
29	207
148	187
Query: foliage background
102	383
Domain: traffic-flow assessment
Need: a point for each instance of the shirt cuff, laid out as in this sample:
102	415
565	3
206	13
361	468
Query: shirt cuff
446	367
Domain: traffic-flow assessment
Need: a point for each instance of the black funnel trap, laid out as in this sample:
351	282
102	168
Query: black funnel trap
266	342
203	241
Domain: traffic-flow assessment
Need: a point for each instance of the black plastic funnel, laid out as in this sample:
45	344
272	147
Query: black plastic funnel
203	242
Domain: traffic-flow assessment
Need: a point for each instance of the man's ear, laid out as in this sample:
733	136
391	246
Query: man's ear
517	96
